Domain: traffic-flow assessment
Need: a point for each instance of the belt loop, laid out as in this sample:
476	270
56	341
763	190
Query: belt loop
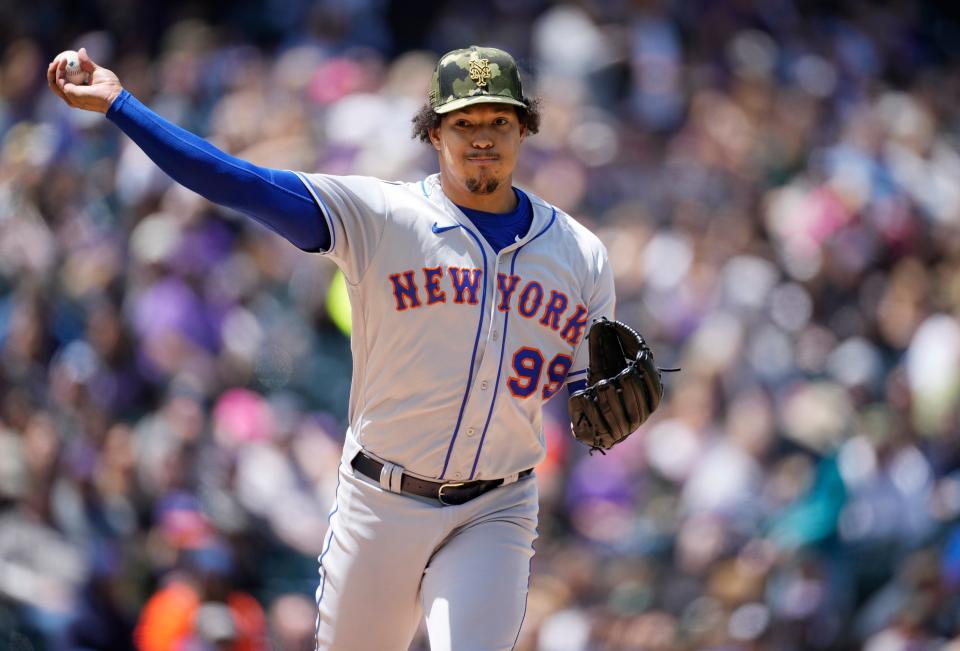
509	479
390	476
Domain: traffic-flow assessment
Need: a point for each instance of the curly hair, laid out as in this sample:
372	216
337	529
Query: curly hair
427	119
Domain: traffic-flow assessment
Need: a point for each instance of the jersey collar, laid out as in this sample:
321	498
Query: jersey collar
543	213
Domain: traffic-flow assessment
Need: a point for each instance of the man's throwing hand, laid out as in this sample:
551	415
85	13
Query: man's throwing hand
104	86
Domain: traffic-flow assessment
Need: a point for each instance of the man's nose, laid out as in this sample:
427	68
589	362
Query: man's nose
482	139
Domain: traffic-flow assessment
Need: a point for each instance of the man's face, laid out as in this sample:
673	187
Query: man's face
478	146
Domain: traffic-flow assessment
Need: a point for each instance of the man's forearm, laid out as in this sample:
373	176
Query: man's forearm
275	198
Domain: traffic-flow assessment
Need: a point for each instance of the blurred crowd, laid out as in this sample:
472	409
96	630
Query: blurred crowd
778	185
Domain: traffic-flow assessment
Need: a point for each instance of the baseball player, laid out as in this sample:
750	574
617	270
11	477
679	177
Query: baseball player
470	302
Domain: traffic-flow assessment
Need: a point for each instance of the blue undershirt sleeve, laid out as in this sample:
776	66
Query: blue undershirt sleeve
275	198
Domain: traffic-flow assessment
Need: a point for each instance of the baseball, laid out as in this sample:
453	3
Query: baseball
73	73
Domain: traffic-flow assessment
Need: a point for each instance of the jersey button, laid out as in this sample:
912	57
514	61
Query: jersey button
457	475
484	385
495	335
471	431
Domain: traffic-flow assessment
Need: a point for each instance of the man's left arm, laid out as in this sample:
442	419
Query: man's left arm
601	304
615	384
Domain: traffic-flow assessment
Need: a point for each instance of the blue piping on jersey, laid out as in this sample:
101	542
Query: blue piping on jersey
473	355
526	598
570	375
423	189
493	401
323	552
324	209
503	345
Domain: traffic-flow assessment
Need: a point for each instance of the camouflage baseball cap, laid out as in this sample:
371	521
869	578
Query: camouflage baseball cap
475	75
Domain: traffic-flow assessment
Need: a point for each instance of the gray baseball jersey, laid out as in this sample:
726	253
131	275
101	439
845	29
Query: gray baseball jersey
456	348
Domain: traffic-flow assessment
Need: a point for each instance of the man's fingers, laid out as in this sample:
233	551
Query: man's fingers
61	90
86	63
56	79
75	92
52	76
83	97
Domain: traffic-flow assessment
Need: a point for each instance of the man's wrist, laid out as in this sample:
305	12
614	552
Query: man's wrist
116	101
113	97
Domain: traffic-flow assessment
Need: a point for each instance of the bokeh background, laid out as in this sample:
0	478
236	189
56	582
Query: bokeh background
778	184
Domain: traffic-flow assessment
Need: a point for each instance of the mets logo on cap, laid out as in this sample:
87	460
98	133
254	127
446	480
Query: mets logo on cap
480	71
474	75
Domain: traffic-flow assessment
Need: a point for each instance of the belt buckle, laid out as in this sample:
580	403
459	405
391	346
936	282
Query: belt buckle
448	485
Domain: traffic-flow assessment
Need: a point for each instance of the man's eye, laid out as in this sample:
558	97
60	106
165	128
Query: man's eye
500	121
462	123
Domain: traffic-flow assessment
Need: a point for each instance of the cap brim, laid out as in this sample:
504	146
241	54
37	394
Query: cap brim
476	99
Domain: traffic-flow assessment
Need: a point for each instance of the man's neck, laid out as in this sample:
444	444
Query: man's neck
502	200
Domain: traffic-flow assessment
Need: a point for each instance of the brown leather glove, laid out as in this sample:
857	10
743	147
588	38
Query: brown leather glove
623	386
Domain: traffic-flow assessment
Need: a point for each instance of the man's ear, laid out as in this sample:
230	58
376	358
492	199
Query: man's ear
434	134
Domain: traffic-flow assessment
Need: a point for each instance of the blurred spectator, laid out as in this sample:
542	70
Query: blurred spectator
198	607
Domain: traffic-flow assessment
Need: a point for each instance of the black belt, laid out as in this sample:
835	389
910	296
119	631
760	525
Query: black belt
447	493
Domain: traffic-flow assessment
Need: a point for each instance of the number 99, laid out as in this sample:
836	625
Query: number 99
528	367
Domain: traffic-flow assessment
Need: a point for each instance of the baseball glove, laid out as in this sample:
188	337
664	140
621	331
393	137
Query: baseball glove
623	386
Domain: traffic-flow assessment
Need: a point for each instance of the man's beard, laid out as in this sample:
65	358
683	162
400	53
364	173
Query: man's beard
482	186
